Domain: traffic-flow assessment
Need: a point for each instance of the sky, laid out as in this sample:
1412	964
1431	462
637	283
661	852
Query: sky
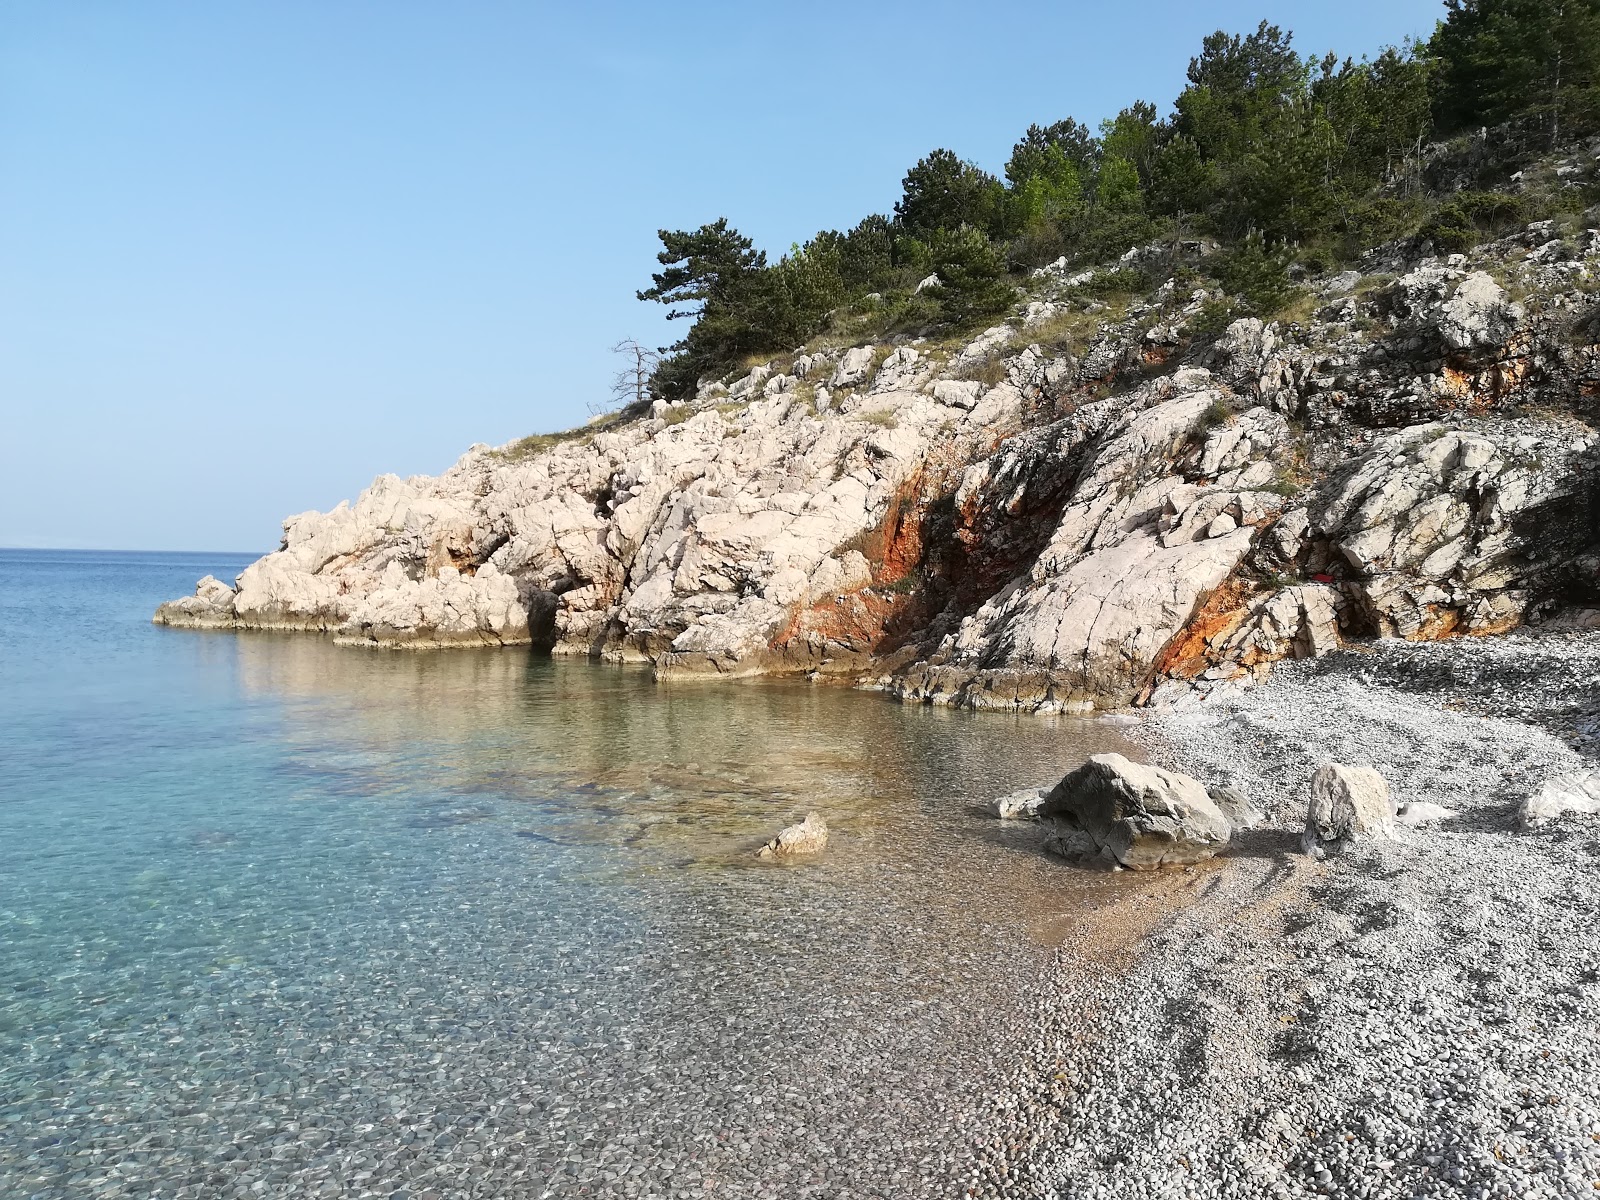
254	254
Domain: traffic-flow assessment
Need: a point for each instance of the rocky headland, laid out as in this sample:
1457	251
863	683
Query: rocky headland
1365	535
1091	505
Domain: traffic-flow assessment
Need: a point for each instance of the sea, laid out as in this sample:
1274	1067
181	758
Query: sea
280	917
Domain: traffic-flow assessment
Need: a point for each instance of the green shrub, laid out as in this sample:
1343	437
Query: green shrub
991	372
1379	220
1470	218
972	274
1215	315
537	443
883	418
1257	275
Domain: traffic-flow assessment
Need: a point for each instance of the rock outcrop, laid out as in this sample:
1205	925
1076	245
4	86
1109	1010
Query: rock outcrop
1146	515
1139	816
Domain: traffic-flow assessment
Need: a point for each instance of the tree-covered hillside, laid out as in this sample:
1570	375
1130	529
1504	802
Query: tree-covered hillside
1289	163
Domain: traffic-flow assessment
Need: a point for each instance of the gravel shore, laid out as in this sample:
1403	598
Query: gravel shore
1414	1018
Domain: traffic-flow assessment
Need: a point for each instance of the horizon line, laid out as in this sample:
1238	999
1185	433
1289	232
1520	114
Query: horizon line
122	550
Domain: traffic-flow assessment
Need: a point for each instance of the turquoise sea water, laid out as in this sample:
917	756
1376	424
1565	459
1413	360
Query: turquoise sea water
284	918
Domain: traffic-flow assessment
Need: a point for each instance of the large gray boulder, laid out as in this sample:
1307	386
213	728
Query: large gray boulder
1140	816
1348	804
1241	811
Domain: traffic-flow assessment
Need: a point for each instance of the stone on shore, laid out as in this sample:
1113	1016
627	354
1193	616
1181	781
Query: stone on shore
1348	804
1423	812
1240	810
1562	794
1140	816
808	837
1018	806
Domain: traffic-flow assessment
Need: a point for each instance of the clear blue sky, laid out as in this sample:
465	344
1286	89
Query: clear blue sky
253	254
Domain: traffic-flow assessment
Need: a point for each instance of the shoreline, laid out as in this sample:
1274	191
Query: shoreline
1413	1018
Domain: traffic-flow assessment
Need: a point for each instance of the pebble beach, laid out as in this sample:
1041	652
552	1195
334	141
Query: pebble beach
1417	1017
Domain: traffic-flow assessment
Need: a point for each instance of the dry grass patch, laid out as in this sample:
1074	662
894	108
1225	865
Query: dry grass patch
1298	309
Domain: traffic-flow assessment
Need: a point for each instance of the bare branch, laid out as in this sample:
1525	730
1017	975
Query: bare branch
631	385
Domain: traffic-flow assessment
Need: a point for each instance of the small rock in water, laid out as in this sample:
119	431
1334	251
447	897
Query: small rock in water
808	837
1347	804
1018	806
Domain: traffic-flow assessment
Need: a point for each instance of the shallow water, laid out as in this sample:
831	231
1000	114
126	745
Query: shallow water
283	918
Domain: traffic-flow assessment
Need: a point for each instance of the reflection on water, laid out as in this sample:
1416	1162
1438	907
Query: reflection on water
285	918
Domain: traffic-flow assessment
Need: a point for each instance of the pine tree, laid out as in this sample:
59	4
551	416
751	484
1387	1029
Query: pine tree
943	192
702	267
1501	59
1042	145
973	274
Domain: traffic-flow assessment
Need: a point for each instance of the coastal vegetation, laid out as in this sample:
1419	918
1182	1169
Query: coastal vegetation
1283	163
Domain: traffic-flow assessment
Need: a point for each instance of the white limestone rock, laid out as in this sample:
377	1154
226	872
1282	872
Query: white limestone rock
211	607
1018	806
854	366
1577	793
808	837
1431	523
1107	592
958	393
1478	316
441	610
1348	805
1423	812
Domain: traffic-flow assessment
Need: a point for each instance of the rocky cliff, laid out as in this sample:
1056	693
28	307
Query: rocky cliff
1091	504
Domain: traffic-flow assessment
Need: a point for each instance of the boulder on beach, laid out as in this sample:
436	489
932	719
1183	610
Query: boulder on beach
1137	815
1018	806
808	837
1348	804
1578	792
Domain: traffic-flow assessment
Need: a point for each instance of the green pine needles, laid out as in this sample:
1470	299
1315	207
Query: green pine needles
1278	157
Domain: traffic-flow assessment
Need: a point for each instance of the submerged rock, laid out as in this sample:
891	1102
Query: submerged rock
1018	806
1348	804
808	837
1137	815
